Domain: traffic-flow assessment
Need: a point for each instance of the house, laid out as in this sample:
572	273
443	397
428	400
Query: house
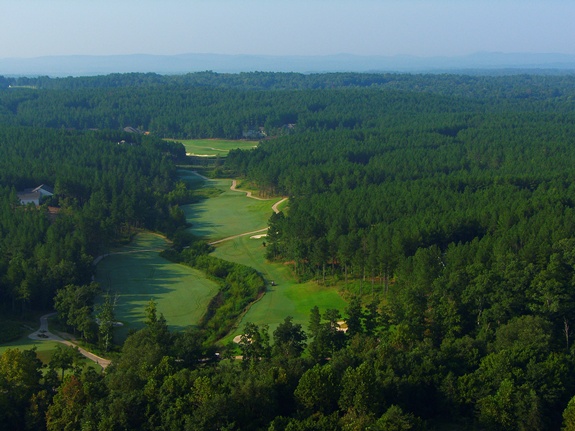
254	134
135	130
36	195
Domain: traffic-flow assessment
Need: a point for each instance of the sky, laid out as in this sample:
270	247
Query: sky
423	28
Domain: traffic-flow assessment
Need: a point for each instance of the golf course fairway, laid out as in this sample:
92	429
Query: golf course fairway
137	274
233	213
228	214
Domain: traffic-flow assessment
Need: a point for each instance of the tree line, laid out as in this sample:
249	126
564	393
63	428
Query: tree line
442	206
207	105
103	191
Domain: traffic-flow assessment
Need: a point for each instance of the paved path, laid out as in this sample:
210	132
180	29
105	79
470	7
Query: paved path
239	235
277	204
43	334
249	195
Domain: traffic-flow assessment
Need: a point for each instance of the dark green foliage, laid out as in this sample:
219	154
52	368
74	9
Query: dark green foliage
10	330
104	192
254	343
289	339
20	377
445	204
64	358
75	305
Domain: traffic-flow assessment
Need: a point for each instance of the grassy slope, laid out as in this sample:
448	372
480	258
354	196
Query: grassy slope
191	179
44	350
181	293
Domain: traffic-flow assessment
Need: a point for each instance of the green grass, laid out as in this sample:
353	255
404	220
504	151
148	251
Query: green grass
44	349
287	298
230	213
181	293
192	180
213	147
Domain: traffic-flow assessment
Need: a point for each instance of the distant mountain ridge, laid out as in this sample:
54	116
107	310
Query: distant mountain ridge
85	65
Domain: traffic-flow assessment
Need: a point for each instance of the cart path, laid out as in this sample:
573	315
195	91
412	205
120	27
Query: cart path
249	195
277	204
229	238
48	336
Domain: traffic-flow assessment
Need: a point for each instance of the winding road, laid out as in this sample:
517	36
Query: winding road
43	334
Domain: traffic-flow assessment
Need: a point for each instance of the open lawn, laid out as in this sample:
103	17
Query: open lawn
213	147
138	274
287	298
230	213
44	349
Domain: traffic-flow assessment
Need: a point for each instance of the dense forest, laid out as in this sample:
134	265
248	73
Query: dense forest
443	205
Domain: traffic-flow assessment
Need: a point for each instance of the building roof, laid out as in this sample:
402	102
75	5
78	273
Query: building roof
44	188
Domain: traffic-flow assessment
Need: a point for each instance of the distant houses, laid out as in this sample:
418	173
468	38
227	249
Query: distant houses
254	134
36	195
135	130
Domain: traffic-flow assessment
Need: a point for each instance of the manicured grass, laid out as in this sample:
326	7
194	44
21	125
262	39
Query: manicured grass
213	147
230	213
181	293
192	180
287	298
44	349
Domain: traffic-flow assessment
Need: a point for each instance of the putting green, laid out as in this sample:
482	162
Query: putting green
44	349
213	147
139	274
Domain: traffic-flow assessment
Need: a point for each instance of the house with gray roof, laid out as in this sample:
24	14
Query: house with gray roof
35	195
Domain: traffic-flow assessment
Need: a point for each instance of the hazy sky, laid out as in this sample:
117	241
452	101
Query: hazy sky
32	28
